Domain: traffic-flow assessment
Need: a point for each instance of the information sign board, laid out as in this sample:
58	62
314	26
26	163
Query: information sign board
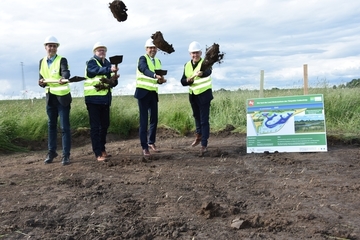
286	124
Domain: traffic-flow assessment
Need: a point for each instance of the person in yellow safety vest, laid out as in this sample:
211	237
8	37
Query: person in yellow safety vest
98	102
52	70
147	95
200	95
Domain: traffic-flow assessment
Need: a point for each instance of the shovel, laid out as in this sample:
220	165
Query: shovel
117	59
73	79
160	72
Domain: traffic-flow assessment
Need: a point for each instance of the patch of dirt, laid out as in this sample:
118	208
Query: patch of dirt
175	194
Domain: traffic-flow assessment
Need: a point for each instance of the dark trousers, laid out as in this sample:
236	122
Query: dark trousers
201	113
55	109
148	105
99	117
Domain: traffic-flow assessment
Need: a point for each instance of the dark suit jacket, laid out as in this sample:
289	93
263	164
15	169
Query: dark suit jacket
63	100
141	93
65	73
204	97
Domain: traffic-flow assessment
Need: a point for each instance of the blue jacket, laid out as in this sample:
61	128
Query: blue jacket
92	70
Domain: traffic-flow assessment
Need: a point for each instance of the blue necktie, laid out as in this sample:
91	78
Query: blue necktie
49	61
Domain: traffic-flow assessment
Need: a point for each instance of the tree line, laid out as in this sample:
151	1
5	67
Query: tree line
355	83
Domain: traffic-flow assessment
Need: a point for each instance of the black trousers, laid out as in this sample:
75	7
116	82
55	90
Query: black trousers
148	105
201	114
99	117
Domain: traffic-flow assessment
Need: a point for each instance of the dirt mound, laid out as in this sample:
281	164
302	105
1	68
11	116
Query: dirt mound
174	194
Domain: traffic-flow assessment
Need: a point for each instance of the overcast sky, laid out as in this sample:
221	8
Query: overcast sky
277	36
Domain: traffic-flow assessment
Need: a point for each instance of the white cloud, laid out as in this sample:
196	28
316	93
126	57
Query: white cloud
5	86
277	36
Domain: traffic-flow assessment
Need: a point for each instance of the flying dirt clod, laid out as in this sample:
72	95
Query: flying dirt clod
161	44
212	55
118	9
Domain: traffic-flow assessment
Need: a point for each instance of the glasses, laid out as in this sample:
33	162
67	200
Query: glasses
100	50
52	45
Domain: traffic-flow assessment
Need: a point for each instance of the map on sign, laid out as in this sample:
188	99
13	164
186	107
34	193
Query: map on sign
269	122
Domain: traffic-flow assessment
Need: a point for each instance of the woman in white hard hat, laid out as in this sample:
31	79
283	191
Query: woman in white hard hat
58	99
200	94
97	101
147	94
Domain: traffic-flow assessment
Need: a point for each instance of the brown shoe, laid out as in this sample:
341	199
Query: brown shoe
197	140
101	159
153	147
146	152
105	155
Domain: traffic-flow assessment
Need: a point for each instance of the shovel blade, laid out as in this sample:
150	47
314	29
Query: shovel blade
76	79
116	59
160	72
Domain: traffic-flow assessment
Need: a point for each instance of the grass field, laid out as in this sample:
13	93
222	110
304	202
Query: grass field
27	119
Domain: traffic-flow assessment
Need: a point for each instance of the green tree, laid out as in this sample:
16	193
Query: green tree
353	83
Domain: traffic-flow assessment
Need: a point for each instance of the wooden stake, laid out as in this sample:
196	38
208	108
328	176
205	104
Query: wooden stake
305	79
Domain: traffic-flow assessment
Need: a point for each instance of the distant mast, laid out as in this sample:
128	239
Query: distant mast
23	80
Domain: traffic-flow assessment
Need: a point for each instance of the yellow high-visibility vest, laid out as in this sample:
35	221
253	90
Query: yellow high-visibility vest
89	84
146	82
52	72
200	84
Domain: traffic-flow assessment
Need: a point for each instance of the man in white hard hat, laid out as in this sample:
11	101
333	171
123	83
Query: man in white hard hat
58	99
200	94
97	101
147	95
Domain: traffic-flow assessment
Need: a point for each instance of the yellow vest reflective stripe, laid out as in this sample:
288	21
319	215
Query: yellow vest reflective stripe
200	85
52	72
146	82
89	84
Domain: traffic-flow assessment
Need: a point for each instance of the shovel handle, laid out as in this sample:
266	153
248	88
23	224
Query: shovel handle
73	79
55	81
116	65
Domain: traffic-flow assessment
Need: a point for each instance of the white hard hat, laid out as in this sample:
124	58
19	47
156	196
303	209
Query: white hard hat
51	39
149	43
194	47
98	45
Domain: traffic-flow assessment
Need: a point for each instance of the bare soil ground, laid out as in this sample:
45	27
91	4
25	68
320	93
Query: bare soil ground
175	194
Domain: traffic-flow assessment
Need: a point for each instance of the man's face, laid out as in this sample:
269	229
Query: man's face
151	51
100	52
195	56
51	49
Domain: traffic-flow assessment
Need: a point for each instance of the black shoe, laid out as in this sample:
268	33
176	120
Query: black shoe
50	157
146	152
65	160
202	151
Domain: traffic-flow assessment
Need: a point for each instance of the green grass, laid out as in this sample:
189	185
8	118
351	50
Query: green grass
27	119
